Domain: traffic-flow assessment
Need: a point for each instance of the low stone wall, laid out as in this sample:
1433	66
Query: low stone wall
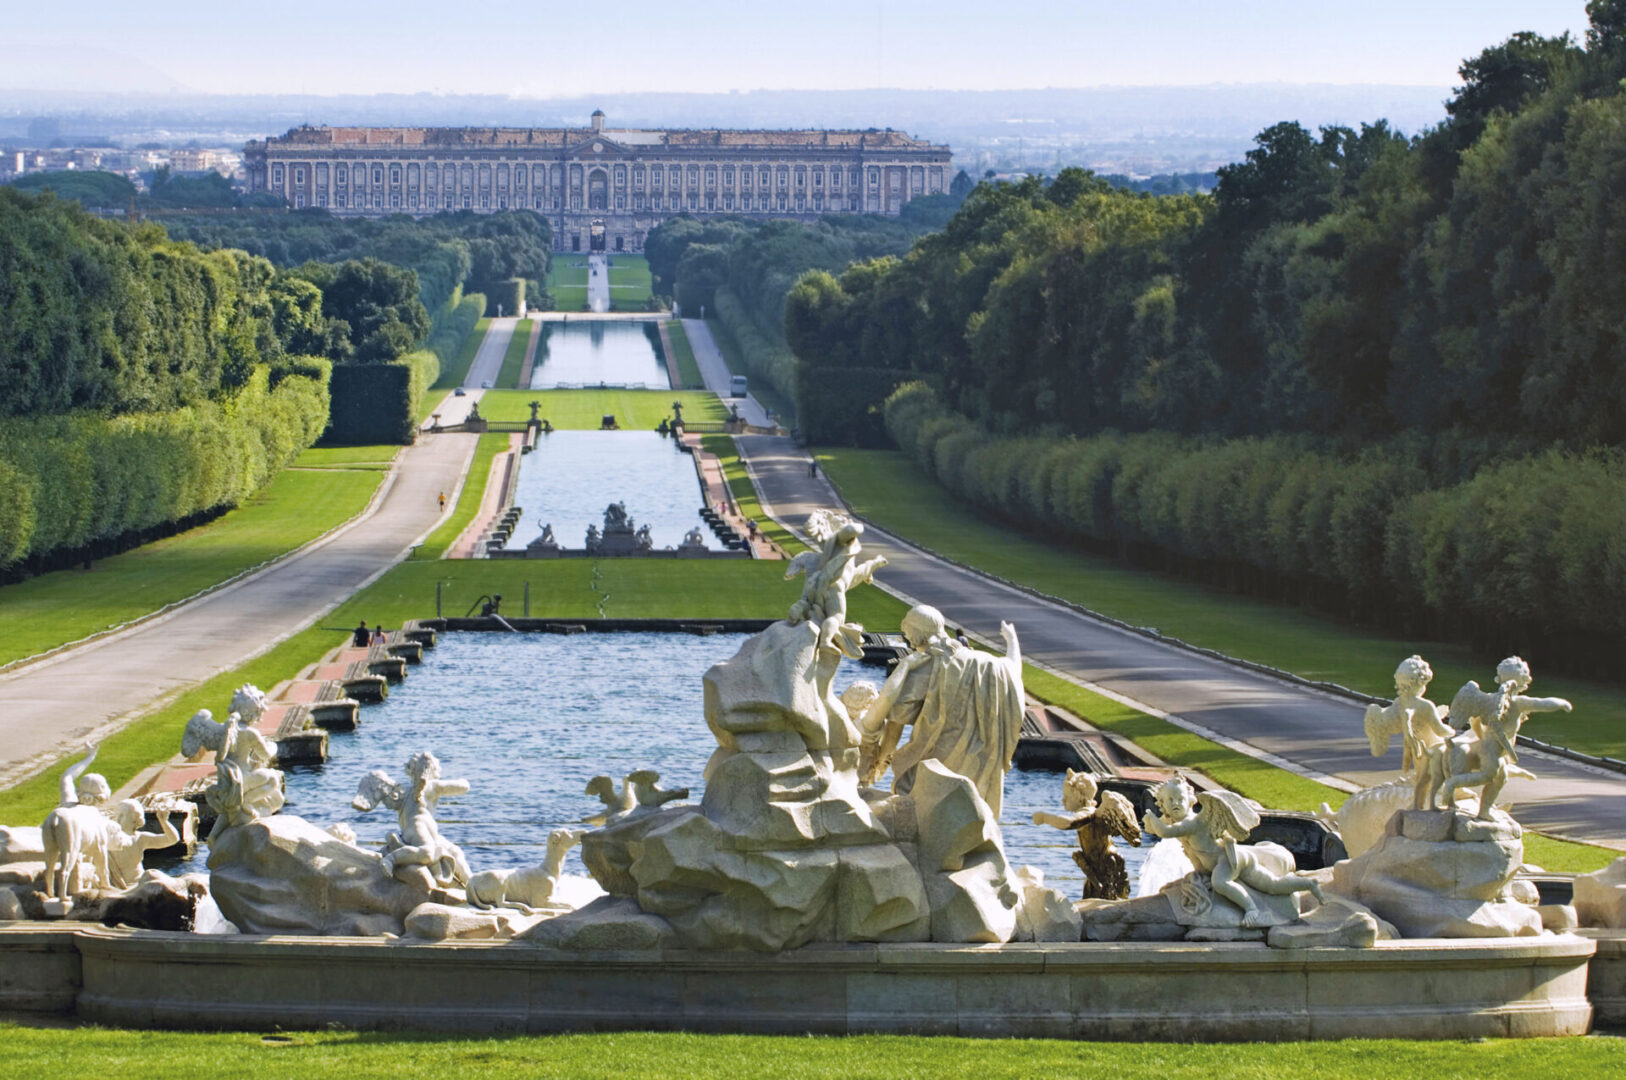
1606	979
1409	989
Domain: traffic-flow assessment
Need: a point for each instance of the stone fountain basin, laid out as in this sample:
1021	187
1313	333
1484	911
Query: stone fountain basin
1513	987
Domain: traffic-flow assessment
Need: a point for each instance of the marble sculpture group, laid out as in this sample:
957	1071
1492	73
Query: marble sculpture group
793	840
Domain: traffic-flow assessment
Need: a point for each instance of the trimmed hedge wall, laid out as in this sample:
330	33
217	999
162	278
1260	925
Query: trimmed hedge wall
764	359
452	323
844	405
508	293
1525	555
72	481
374	403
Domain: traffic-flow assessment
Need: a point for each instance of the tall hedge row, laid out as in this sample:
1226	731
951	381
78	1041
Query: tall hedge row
375	403
770	361
1528	554
69	482
506	295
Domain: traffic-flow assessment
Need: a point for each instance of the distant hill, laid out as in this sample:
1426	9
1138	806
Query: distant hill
88	188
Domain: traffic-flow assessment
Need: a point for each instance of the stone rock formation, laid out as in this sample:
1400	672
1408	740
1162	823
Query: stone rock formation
284	875
1600	897
1441	873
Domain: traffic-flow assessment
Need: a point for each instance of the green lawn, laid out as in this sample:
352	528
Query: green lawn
683	356
347	457
887	488
745	492
630	285
567	282
514	358
454	373
491	444
582	410
296	507
162	1055
770	398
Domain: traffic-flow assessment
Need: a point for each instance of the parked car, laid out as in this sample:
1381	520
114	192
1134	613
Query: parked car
459	392
736	386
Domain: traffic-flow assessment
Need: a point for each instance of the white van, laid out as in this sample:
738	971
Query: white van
736	386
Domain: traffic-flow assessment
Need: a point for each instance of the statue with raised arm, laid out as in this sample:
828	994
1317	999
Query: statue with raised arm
418	843
127	843
74	834
1096	823
1485	755
1213	838
963	708
247	787
831	569
1418	721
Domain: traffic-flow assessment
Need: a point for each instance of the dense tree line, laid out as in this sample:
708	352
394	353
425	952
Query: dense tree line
741	270
1520	555
1348	283
448	251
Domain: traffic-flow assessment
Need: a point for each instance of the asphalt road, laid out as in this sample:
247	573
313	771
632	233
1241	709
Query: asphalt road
48	707
1313	733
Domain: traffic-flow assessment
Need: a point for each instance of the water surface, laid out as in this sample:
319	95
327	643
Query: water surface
594	352
573	475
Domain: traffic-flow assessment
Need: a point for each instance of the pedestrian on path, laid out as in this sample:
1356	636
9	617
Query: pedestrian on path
443	502
813	469
362	637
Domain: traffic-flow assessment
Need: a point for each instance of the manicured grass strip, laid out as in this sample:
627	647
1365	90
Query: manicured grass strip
683	356
583	410
514	358
160	1055
567	282
453	374
569	298
346	457
631	287
887	488
295	508
770	398
745	492
491	444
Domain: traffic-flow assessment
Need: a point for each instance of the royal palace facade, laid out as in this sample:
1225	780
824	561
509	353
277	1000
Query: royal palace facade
626	180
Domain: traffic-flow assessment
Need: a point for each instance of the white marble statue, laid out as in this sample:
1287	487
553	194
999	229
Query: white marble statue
694	539
1212	836
637	795
528	888
246	787
646	542
418	843
1421	727
831	569
1485	754
127	844
74	835
1418	721
964	708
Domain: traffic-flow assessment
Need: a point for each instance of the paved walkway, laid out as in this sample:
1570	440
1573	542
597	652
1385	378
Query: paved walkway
598	283
714	370
487	362
1310	732
51	706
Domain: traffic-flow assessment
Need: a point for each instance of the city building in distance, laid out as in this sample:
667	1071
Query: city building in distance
626	181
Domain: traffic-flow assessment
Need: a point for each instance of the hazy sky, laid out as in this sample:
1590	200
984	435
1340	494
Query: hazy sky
549	49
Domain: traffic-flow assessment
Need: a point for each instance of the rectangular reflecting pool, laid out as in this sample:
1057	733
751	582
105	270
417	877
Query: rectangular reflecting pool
528	719
571	476
593	352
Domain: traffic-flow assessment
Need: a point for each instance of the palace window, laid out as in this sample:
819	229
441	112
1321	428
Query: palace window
728	202
620	176
321	174
321	200
711	177
638	177
341	176
674	177
637	202
801	178
466	202
874	178
412	201
519	178
299	174
378	176
395	175
502	202
745	178
655	178
299	200
620	202
395	201
765	177
448	202
412	175
818	179
276	175
784	178
536	202
728	177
